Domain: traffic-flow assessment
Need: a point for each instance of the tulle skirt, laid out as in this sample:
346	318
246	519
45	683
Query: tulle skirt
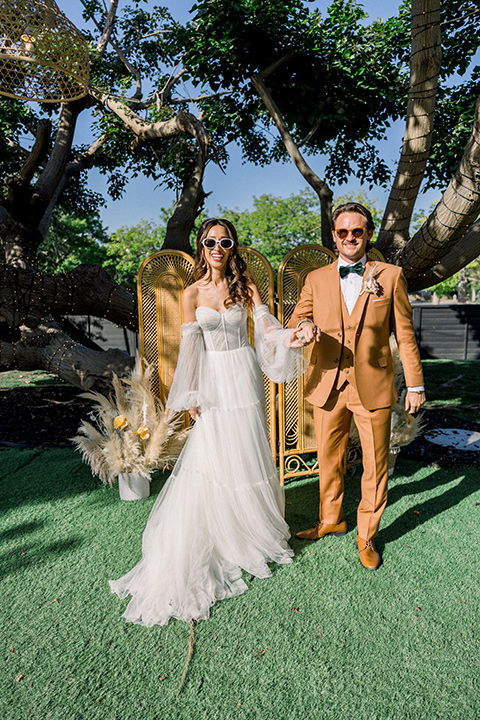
220	512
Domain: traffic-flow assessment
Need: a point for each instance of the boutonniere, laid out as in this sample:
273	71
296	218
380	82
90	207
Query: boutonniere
370	284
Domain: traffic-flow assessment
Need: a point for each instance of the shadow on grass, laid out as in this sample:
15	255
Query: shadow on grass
18	559
34	476
21	530
420	512
302	501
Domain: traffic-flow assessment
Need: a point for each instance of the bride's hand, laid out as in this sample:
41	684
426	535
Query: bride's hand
194	412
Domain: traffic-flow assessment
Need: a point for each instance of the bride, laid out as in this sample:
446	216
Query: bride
222	509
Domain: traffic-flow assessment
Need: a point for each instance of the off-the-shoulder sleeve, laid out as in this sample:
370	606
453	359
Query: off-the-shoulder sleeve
277	359
185	392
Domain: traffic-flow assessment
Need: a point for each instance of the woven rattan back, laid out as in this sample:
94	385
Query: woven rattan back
261	273
161	281
295	415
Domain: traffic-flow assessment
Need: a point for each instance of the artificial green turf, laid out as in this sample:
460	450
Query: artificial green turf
21	378
322	639
453	386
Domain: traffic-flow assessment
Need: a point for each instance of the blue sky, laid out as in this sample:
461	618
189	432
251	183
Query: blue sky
242	182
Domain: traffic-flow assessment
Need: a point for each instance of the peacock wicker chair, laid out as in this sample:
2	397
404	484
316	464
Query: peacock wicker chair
43	56
162	279
295	415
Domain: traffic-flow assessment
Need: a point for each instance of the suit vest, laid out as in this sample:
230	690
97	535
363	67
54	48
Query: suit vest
346	370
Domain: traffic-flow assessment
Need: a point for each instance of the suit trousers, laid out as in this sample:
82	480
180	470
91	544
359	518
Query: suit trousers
332	427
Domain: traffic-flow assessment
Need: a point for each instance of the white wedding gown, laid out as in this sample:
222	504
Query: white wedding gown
222	509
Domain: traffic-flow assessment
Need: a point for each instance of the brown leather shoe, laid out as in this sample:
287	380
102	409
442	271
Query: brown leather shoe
320	530
369	557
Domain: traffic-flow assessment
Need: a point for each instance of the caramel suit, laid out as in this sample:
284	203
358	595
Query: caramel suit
351	373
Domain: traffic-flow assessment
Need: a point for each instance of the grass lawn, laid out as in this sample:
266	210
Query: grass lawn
453	386
24	378
322	639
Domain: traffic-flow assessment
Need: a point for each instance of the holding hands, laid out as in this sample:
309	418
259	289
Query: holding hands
304	334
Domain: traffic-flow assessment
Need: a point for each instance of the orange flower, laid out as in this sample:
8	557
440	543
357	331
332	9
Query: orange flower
120	422
142	432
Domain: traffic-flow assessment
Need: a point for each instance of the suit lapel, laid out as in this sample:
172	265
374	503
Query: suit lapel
335	291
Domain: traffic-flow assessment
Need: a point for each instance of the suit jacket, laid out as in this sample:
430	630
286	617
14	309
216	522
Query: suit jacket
358	344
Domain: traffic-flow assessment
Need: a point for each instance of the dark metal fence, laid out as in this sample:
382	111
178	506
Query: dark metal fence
447	331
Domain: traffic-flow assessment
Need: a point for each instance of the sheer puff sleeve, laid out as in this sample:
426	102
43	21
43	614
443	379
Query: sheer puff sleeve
279	361
185	392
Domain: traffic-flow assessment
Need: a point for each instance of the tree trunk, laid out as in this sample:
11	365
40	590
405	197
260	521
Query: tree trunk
323	191
26	297
462	286
180	224
425	63
462	253
47	347
451	219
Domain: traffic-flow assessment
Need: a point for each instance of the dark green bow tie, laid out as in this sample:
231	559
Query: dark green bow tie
347	269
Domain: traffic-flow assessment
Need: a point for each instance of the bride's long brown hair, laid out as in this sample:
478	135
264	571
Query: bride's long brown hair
236	269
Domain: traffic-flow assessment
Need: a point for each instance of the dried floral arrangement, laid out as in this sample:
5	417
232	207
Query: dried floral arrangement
404	427
133	431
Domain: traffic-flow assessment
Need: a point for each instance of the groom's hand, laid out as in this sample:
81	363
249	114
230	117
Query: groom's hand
414	401
306	332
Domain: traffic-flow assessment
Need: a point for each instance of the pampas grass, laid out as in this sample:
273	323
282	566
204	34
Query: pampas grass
133	432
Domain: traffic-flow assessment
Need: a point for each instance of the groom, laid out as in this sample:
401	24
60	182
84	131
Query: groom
349	308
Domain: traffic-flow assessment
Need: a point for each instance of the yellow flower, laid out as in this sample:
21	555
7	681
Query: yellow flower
120	422
142	432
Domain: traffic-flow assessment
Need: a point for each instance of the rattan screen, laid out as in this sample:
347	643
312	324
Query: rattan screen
295	415
161	282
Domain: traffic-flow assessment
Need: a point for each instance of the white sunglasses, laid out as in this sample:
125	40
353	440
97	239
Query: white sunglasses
225	243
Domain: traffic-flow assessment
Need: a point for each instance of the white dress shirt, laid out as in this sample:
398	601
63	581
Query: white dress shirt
352	284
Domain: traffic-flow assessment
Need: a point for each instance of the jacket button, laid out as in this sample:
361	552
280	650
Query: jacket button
348	342
348	358
339	334
346	372
336	360
348	327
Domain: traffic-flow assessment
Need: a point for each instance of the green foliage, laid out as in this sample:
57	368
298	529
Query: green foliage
15	117
341	84
470	275
276	225
128	248
72	240
454	113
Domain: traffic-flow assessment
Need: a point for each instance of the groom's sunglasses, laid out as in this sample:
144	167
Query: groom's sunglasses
358	233
225	243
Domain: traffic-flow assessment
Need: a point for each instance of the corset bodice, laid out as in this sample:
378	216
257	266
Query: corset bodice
223	331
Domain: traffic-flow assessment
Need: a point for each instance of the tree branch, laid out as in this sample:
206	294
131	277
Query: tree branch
49	348
37	153
45	187
26	296
276	64
463	252
183	122
450	220
181	222
425	63
108	29
321	188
